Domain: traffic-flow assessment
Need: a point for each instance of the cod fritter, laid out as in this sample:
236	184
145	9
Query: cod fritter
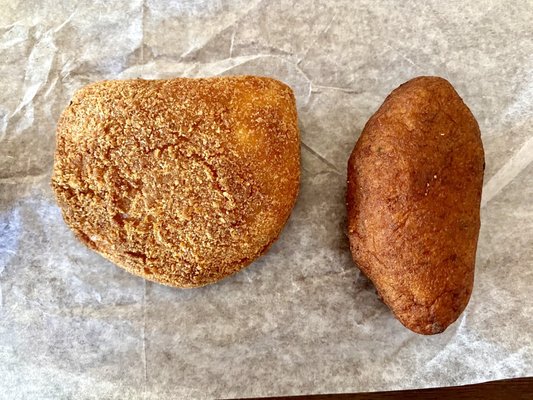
413	200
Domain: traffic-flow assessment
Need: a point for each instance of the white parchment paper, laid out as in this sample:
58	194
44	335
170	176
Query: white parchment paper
302	319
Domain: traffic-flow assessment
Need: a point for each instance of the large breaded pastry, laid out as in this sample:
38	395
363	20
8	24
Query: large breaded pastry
413	199
181	181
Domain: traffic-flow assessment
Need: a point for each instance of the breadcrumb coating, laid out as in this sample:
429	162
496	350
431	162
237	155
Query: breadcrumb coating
181	181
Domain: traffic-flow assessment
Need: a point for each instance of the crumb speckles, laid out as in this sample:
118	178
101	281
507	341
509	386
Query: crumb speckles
189	180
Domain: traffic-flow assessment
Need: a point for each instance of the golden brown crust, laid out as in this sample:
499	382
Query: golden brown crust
181	181
413	199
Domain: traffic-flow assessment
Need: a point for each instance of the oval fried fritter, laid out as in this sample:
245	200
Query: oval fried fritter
181	181
413	200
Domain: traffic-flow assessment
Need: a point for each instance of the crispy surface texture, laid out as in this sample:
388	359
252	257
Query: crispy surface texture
181	181
414	190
